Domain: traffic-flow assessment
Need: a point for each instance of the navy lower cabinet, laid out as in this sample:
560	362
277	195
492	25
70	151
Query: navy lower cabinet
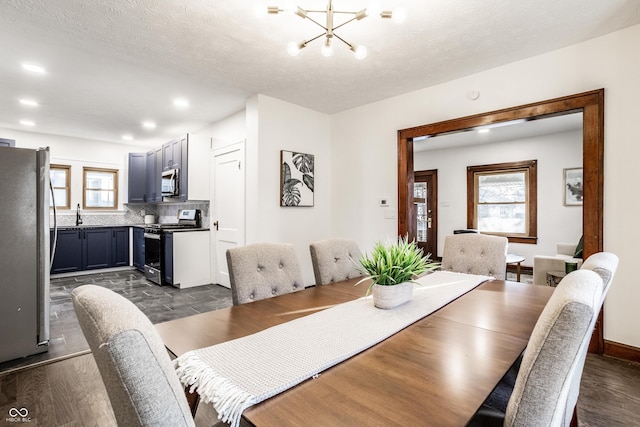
167	258
87	248
68	252
120	247
97	248
138	248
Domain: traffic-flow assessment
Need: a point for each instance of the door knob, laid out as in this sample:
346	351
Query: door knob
215	224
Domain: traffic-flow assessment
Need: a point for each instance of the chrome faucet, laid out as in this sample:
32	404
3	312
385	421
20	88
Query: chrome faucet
78	219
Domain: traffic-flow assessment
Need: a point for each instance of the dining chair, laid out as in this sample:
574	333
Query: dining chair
546	387
605	264
263	270
335	260
475	254
137	372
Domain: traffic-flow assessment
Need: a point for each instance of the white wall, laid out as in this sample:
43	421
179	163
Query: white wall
556	222
363	147
227	131
77	153
274	125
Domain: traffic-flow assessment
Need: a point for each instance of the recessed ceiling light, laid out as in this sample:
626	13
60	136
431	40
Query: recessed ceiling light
29	102
181	103
34	68
27	123
127	137
483	130
149	125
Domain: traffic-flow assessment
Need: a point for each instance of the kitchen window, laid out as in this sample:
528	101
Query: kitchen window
100	188
60	176
502	200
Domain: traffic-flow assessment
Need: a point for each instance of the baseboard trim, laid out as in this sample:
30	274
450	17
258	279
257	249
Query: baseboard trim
621	351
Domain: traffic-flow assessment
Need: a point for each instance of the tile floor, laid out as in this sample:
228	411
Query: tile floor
159	303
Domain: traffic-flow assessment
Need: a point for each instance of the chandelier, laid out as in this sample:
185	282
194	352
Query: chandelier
330	27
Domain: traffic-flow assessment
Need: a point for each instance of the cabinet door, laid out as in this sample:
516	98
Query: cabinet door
137	177
154	175
184	168
171	155
68	251
138	248
167	258
120	246
150	168
97	243
157	176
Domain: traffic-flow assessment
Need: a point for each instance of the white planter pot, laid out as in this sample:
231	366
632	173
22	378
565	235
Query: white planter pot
387	297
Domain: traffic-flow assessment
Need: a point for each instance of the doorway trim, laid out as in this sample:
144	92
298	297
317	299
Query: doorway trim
591	104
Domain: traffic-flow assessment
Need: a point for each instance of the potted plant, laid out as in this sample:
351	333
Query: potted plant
393	268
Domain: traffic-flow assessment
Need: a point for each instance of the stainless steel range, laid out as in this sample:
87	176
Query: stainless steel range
154	242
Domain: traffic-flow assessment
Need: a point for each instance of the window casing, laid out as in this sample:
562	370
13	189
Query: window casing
99	188
502	200
60	176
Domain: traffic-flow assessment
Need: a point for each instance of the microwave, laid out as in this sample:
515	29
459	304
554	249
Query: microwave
171	183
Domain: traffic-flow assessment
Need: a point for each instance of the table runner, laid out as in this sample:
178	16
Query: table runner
237	374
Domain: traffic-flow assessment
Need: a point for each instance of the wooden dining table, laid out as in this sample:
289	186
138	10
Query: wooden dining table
436	372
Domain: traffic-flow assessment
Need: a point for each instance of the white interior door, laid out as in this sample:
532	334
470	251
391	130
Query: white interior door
228	206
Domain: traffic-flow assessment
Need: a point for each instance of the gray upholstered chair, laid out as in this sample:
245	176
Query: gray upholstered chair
335	260
475	254
263	270
139	377
548	381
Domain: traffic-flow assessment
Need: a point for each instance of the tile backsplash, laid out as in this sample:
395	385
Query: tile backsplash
132	214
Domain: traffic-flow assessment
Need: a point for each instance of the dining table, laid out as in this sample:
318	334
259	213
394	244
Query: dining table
436	372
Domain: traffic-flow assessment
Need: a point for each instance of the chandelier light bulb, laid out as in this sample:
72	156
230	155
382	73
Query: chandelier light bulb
326	49
294	48
399	15
360	52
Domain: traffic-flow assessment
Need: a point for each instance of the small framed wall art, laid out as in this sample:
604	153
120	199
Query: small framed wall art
296	179
572	186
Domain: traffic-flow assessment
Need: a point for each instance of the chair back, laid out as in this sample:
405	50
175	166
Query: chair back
335	260
475	254
605	264
135	367
545	391
263	270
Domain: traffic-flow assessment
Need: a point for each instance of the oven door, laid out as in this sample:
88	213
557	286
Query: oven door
153	257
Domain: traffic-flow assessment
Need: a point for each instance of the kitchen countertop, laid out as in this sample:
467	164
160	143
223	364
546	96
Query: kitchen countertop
88	226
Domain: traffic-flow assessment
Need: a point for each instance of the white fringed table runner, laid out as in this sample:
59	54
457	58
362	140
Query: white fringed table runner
237	374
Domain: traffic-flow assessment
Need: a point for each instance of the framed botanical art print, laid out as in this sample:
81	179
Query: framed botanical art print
296	179
572	186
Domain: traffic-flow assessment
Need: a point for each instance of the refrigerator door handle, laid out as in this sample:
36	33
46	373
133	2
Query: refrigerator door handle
42	163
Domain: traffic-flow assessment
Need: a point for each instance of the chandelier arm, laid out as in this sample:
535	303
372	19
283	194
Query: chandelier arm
344	23
342	40
317	23
315	38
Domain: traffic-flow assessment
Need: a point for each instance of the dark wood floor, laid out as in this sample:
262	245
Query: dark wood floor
70	392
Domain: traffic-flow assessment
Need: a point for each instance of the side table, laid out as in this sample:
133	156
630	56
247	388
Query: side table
515	259
554	277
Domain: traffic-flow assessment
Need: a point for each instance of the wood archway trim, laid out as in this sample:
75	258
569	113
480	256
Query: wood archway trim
591	104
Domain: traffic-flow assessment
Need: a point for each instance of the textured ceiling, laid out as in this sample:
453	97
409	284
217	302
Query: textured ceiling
114	63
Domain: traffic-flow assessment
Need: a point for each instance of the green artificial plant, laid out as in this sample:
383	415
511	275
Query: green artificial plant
393	263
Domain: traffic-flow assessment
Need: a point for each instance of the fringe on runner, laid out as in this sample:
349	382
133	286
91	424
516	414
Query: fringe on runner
228	399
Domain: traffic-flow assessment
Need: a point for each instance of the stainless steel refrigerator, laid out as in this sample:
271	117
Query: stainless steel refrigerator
24	252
